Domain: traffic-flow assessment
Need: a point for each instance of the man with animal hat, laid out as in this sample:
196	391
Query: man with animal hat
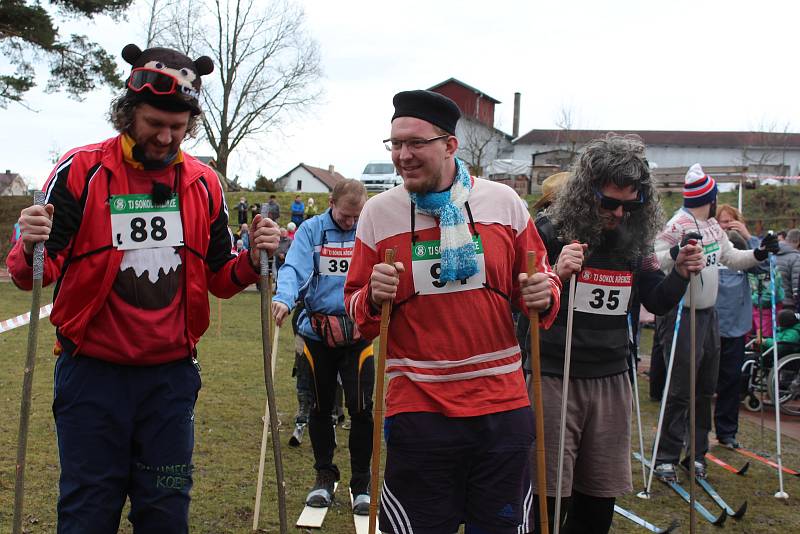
136	234
600	228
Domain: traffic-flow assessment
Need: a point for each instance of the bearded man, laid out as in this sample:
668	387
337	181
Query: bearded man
601	228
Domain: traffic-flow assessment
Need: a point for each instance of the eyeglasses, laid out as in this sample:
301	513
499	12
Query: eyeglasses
411	144
158	82
611	204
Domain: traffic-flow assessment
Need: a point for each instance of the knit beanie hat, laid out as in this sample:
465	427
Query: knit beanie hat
699	188
165	78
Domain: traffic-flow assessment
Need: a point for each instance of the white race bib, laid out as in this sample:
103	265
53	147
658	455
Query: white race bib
426	267
334	261
711	252
136	222
603	292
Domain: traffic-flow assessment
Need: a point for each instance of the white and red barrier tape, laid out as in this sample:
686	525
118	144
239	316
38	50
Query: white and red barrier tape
22	320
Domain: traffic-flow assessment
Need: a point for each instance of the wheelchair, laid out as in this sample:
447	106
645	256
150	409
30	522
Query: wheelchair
758	377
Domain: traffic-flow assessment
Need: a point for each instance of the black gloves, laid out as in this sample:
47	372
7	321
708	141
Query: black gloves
768	244
691	236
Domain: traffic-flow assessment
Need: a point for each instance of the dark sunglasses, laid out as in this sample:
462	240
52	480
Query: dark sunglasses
611	204
158	82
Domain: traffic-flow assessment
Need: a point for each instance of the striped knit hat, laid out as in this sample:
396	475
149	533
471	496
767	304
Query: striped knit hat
699	188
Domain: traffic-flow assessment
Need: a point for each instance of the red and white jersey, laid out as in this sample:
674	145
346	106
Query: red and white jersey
452	348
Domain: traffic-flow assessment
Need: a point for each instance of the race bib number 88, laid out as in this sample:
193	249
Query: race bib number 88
603	292
136	222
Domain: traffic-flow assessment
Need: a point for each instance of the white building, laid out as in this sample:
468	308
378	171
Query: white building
307	179
12	184
763	153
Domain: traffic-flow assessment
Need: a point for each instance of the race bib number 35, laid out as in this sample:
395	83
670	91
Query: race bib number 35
136	222
426	265
603	292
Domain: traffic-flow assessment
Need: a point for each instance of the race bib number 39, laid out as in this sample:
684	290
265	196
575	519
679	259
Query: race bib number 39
136	222
335	261
603	292
426	265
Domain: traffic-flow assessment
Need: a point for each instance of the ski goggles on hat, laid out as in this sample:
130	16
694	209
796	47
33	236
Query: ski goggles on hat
611	204
158	82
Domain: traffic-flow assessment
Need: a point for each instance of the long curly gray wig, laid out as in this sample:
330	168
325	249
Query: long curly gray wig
614	159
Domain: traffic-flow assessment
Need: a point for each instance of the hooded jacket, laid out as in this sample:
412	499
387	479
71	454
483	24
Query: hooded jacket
788	262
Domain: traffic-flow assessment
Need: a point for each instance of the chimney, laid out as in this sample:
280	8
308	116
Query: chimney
330	169
515	130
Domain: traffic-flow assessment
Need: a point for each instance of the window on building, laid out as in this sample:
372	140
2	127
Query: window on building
299	185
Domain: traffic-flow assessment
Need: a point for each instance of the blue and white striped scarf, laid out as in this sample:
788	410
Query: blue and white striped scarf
456	247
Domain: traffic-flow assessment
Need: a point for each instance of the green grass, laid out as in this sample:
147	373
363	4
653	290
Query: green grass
228	430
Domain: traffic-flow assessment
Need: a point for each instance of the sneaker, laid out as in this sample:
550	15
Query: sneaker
321	495
297	435
666	472
699	467
361	504
729	443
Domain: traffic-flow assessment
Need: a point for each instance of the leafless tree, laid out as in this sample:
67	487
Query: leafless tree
266	65
765	151
566	121
478	144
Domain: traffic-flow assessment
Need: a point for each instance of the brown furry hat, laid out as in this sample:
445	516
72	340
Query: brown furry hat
146	65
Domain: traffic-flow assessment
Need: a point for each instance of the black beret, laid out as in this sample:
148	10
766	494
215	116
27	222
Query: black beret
429	106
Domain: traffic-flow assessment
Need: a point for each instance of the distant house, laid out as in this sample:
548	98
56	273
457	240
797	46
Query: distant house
12	184
308	179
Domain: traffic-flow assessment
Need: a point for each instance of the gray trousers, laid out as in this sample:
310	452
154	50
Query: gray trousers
675	432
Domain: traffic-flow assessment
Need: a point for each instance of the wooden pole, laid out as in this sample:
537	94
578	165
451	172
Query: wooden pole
27	379
535	393
377	417
264	432
266	332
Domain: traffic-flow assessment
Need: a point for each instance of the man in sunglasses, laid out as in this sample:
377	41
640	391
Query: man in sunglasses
600	228
697	215
136	234
459	426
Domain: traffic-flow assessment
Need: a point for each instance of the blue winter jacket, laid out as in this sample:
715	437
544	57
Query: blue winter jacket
733	300
299	276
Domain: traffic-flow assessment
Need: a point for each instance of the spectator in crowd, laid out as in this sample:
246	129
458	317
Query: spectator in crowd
735	321
244	235
298	211
781	235
788	329
762	300
311	208
273	209
241	208
239	246
291	228
283	248
788	260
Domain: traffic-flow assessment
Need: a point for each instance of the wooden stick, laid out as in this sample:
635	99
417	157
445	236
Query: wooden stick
27	379
535	393
377	428
266	332
264	432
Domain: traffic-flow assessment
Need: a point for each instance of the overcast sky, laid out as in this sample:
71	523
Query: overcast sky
677	65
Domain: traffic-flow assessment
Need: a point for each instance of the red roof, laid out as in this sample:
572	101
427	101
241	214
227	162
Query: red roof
462	84
327	178
662	137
